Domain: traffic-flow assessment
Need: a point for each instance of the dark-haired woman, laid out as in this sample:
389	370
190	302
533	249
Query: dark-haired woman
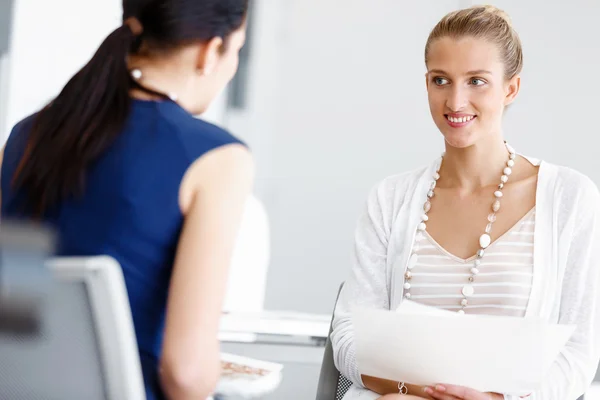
119	166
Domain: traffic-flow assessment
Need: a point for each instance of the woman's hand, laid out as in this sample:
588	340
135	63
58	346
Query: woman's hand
453	392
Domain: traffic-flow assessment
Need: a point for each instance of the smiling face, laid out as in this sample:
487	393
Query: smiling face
467	89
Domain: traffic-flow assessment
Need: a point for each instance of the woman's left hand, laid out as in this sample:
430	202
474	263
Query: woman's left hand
453	392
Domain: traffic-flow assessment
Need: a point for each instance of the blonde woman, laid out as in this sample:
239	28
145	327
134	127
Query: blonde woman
483	229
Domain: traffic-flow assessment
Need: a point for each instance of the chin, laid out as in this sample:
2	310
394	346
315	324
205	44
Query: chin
460	143
459	140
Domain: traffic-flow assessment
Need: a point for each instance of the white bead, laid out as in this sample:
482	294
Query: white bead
474	271
436	176
511	163
504	178
468	291
485	240
136	74
427	206
507	171
433	185
425	217
492	217
422	226
488	228
461	312
498	194
407	286
512	156
430	194
480	253
477	262
496	206
408	275
407	295
412	261
464	302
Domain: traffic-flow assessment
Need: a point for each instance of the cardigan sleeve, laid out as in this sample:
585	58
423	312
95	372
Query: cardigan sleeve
574	369
367	284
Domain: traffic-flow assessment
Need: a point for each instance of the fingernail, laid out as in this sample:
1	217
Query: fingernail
440	388
428	390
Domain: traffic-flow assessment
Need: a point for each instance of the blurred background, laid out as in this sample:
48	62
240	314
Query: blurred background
331	98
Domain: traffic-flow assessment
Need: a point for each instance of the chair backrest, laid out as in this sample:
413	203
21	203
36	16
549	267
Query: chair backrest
86	346
332	384
250	261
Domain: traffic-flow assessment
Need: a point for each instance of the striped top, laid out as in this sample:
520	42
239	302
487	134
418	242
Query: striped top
502	286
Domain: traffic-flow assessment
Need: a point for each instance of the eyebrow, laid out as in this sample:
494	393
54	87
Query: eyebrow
476	72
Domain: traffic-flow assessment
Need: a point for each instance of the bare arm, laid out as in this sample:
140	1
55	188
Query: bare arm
212	197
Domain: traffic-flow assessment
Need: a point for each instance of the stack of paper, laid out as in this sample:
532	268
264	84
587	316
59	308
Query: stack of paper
425	346
248	378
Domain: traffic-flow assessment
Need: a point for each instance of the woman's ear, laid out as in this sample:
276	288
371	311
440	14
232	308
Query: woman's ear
513	87
209	54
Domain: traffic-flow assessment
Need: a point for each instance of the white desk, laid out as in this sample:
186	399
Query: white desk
293	339
275	327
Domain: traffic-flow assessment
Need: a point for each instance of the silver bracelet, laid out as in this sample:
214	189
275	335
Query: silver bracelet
402	388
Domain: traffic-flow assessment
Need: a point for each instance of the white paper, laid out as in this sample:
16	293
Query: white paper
422	345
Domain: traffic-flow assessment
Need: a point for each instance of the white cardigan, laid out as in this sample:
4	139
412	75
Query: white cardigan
566	269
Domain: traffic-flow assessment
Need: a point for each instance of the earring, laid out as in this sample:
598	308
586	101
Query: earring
136	74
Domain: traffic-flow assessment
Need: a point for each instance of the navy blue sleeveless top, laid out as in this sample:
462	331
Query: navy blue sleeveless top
130	209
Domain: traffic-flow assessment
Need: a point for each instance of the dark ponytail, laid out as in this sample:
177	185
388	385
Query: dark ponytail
76	127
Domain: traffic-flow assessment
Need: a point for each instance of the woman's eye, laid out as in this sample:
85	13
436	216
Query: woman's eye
440	81
477	82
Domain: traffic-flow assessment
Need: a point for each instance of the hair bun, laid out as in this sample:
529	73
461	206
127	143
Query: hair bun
493	10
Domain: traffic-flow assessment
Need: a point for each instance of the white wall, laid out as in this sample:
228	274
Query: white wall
350	108
51	40
350	96
555	117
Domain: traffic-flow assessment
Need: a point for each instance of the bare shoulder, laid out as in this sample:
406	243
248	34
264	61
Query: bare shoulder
232	158
230	167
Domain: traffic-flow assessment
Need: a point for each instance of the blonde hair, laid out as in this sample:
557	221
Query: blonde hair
483	22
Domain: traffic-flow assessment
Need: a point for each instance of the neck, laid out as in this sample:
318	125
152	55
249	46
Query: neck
167	78
474	167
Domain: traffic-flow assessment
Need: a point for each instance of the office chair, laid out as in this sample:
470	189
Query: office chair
84	347
332	384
